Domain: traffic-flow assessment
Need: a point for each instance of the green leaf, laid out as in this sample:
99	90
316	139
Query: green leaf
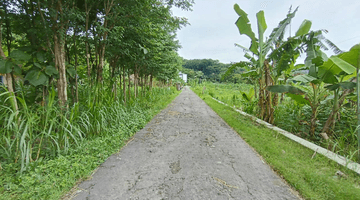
244	27
343	65
304	28
50	70
352	56
20	55
242	47
284	89
4	67
17	70
251	92
36	77
336	65
327	76
40	56
318	61
38	65
250	73
261	22
347	85
332	87
310	55
344	85
248	96
71	72
298	98
303	78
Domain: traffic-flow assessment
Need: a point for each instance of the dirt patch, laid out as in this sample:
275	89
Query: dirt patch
175	167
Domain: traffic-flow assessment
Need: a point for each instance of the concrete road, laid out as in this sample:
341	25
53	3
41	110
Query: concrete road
186	152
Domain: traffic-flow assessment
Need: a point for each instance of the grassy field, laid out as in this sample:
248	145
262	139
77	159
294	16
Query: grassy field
52	178
313	176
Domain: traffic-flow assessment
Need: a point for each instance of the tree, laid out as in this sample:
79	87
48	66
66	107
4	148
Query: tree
260	48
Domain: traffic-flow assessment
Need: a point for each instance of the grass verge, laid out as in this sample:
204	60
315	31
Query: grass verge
313	176
51	179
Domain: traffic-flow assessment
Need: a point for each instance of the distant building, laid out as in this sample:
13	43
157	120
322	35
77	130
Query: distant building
183	76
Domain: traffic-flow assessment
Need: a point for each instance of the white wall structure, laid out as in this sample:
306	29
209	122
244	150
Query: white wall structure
183	76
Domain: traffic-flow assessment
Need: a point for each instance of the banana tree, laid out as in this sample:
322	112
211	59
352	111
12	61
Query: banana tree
260	48
332	71
311	96
340	72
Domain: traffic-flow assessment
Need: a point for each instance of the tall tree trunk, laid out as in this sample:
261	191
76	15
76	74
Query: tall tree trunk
113	77
100	66
313	121
269	110
108	5
141	84
151	81
129	91
76	76
314	108
255	90
8	77
135	81
87	11
115	89
261	100
124	85
59	51
120	81
145	84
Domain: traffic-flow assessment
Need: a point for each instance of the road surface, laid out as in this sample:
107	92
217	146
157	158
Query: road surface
186	152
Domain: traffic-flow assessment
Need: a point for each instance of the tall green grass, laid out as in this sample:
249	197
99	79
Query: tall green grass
42	136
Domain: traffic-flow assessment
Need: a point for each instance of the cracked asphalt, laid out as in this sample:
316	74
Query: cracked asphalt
186	152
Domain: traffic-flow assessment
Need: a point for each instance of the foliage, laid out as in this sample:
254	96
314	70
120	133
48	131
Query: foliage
294	114
78	72
102	130
212	70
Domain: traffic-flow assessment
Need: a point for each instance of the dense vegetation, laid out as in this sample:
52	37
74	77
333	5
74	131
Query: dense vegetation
79	78
316	100
293	117
208	69
314	176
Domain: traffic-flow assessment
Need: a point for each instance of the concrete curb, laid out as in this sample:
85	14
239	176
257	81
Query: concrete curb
329	154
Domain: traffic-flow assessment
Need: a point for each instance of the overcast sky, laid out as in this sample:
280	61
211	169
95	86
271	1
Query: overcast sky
213	32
